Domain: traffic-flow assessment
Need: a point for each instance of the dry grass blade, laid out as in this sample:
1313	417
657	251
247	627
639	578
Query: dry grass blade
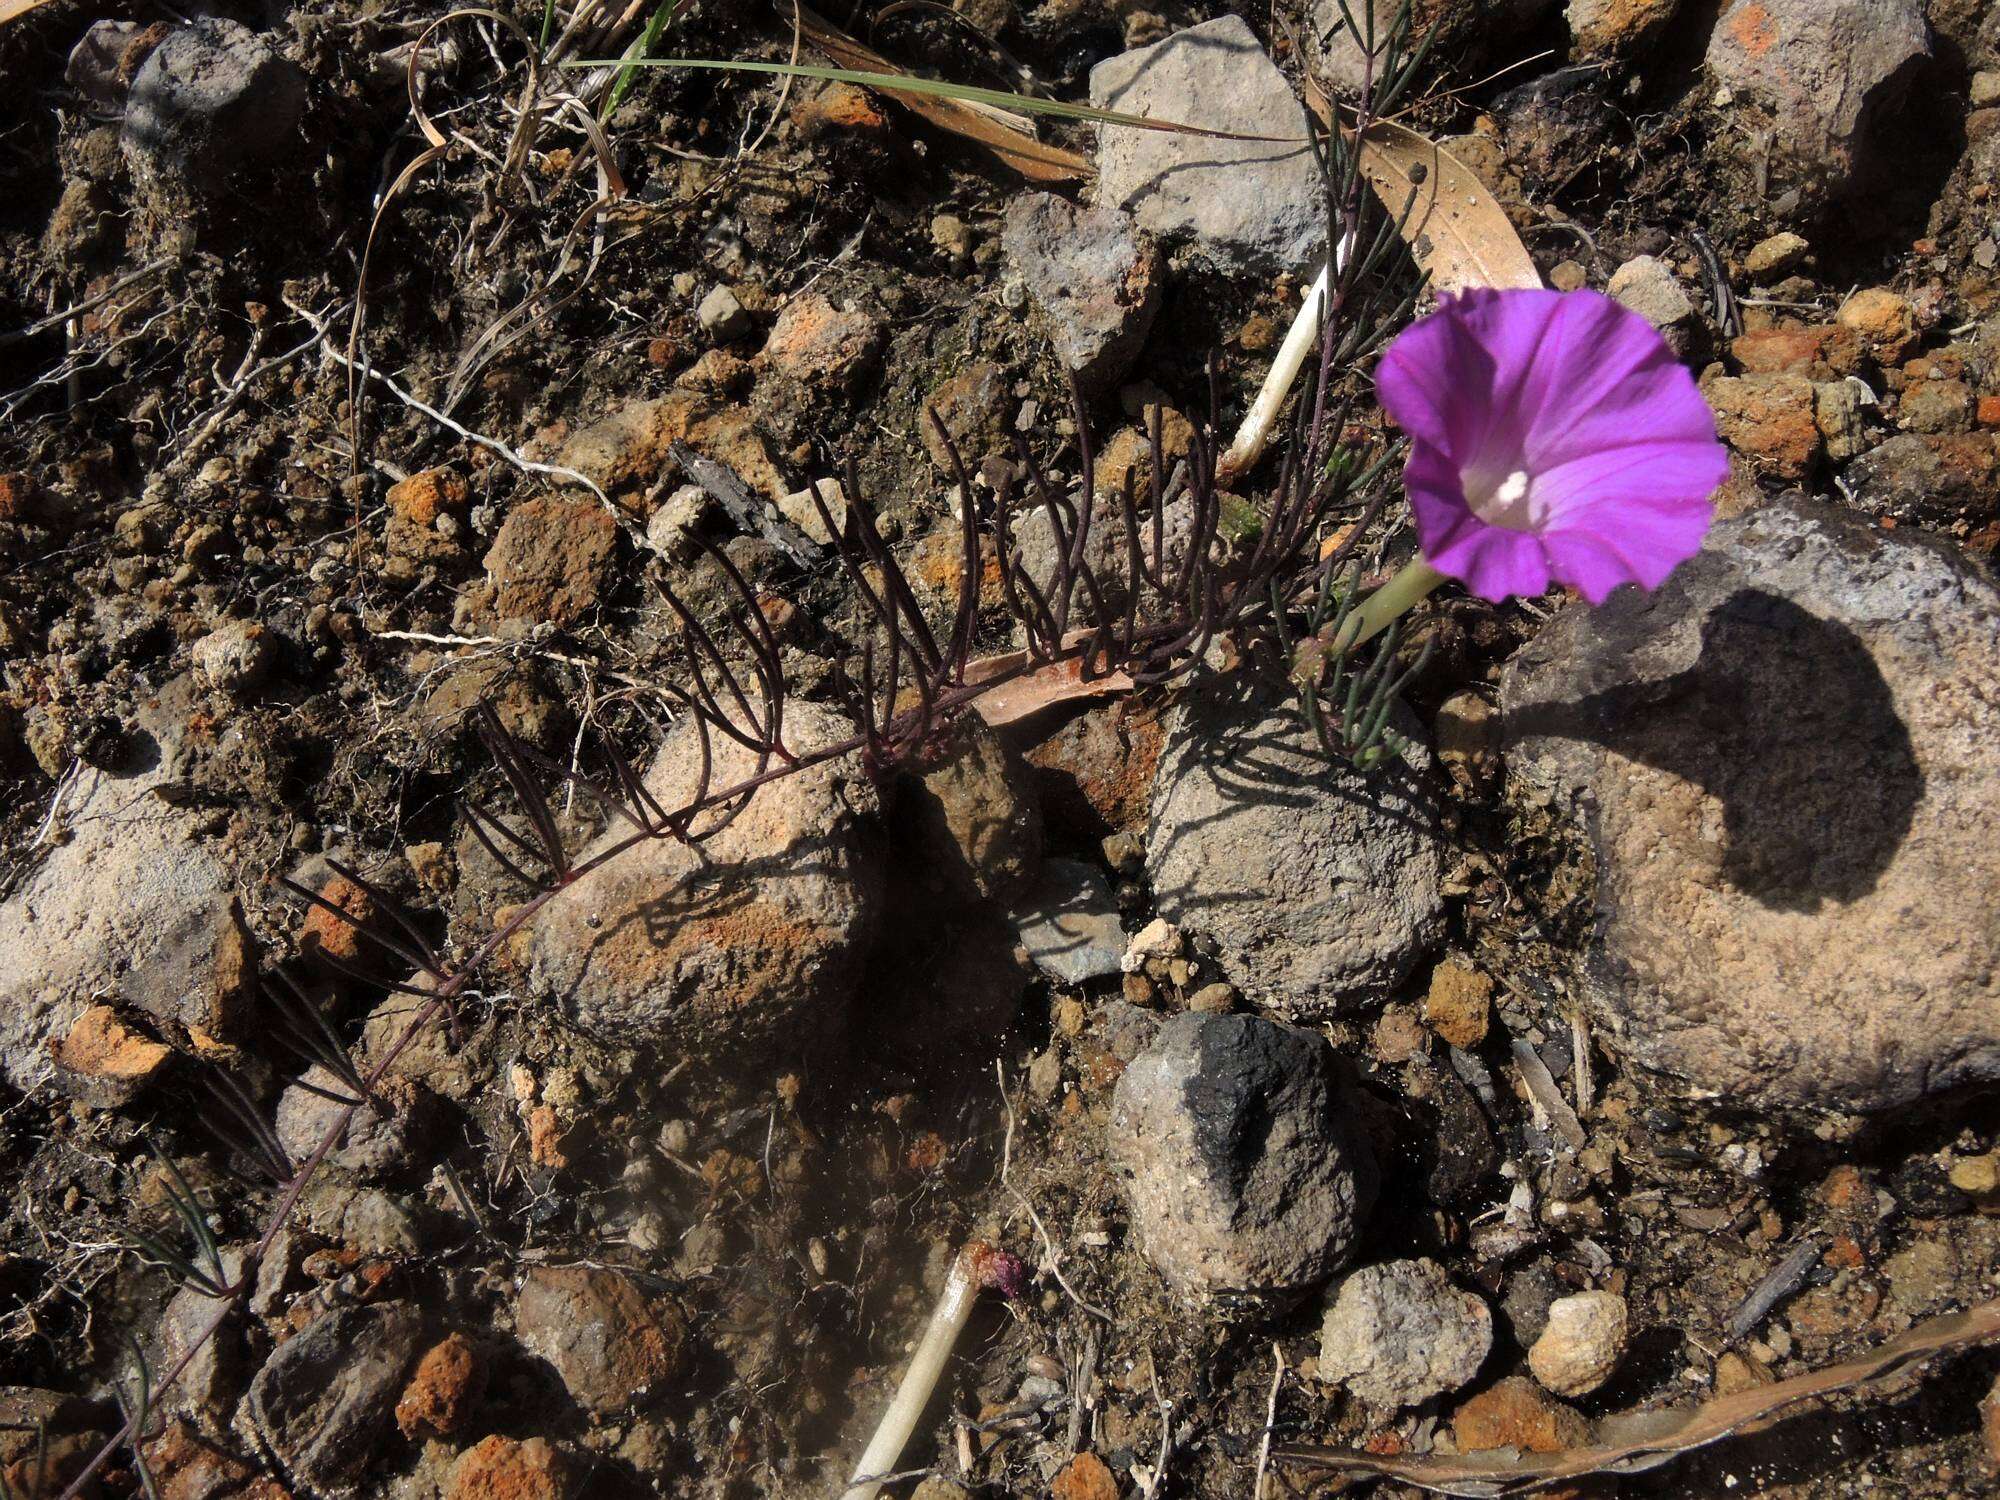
1008	138
13	10
1456	228
1491	1477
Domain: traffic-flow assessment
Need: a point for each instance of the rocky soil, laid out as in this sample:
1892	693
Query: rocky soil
1469	1103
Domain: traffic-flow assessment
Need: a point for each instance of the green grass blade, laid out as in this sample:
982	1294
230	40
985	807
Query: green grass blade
655	25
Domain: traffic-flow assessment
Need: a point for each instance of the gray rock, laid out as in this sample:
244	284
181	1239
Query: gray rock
973	816
800	509
1399	1333
755	939
94	68
1248	206
722	315
1318	884
670	530
1096	282
610	1343
1788	764
134	907
210	1381
1928	478
1651	290
1247	1180
325	1400
212	100
1816	72
372	1144
367	1220
1069	923
235	657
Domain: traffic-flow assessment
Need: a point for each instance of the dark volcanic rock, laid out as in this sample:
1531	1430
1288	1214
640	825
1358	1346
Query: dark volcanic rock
325	1401
1247	1179
213	99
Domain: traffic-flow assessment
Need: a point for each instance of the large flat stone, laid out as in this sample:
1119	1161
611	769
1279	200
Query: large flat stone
1788	765
1248	206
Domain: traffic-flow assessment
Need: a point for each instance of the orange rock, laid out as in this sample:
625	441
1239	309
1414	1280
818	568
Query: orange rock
1989	411
840	106
108	1061
186	1467
1095	772
815	342
545	1137
325	933
447	1384
1843	1187
610	1343
1883	321
499	1468
423	497
1769	419
1458	1004
1830	1311
17	496
1785	350
550	559
1084	1477
1517	1414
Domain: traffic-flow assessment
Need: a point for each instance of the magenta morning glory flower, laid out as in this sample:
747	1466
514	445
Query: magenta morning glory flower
1553	435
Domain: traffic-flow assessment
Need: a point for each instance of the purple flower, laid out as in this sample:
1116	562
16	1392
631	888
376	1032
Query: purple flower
1552	435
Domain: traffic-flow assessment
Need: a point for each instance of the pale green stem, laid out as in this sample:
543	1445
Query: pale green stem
1394	599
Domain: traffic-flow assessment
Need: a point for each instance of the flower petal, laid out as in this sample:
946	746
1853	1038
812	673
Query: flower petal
1490	561
1425	377
1617	384
1664	472
1594	564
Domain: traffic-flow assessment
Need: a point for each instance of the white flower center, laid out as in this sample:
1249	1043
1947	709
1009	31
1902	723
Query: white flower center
1507	500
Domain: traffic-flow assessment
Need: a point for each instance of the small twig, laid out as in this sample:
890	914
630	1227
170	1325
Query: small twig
1149	1483
1782	1281
1579	1050
493	445
1270	1420
749	512
1545	1096
975	1266
76	310
1049	1251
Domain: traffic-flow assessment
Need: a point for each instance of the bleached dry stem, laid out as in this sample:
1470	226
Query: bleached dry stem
1262	419
892	1434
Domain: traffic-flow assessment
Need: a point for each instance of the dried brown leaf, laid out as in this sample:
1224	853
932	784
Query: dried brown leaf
1009	137
1456	228
1492	1476
1058	682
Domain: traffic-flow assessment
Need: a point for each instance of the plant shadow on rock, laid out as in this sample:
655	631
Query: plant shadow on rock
1785	718
1261	753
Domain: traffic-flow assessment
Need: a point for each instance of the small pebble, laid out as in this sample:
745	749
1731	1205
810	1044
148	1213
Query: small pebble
722	315
1779	253
1582	1344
